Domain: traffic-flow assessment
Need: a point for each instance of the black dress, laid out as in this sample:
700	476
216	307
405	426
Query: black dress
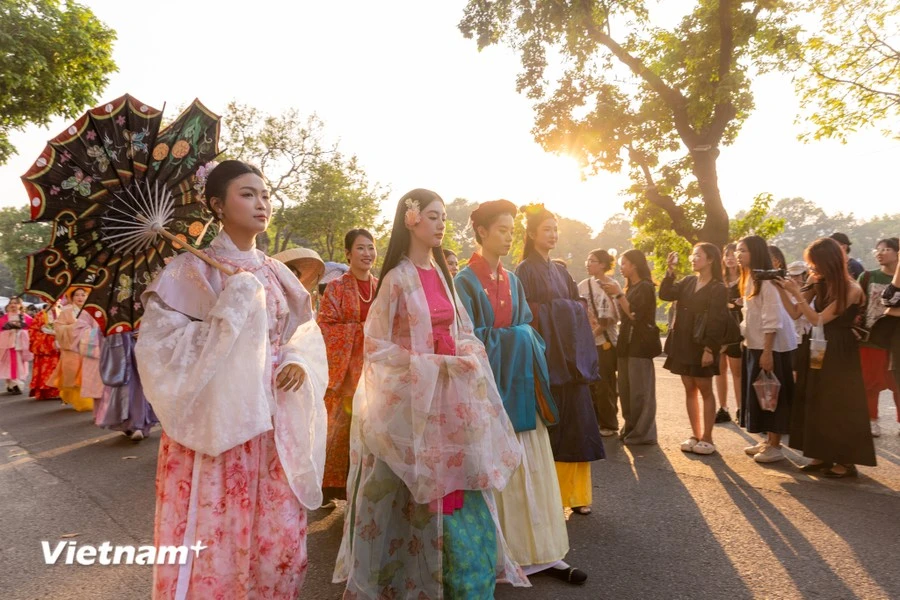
830	419
734	299
684	356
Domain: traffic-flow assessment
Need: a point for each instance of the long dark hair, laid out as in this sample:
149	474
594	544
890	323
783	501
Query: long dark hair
637	258
400	238
777	256
730	247
712	253
759	259
535	214
827	257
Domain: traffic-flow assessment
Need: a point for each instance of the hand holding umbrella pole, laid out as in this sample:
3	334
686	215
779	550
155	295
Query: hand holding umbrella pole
158	229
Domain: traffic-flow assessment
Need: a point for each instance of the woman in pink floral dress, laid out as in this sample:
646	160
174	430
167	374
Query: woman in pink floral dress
235	368
430	440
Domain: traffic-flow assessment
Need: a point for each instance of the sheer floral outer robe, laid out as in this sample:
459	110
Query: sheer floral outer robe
238	459
424	425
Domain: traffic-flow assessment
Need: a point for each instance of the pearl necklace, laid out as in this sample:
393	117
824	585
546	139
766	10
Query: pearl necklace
371	291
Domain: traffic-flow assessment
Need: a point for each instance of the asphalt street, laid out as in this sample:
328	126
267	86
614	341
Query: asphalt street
665	524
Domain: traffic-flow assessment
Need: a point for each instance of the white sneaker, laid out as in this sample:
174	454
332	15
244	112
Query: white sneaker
689	444
769	455
704	448
608	432
876	428
754	450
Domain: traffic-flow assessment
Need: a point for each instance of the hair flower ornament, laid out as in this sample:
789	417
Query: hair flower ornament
413	216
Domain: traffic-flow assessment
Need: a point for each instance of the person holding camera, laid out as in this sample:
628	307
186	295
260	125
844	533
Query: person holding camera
829	422
769	341
693	344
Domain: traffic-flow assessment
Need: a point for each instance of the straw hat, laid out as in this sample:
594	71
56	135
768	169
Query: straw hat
307	262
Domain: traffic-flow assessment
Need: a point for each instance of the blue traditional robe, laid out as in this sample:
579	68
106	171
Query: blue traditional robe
561	320
516	353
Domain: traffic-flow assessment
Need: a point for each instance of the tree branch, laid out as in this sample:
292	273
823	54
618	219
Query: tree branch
663	201
724	111
675	100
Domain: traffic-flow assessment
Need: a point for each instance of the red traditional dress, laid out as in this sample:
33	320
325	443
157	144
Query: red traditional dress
46	358
239	459
342	313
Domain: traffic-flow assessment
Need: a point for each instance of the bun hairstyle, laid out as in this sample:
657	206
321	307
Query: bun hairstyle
487	212
223	174
350	237
419	199
603	257
535	214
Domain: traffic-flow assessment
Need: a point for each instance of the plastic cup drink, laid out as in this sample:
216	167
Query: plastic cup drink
816	353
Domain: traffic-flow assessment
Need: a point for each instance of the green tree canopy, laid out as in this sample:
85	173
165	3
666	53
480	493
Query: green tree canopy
55	58
661	100
337	198
852	79
18	239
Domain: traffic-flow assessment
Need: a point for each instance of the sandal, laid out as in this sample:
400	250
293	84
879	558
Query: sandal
570	575
581	510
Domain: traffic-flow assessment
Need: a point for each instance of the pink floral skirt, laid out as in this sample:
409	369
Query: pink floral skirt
251	522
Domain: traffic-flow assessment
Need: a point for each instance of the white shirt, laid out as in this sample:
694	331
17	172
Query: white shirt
764	314
603	308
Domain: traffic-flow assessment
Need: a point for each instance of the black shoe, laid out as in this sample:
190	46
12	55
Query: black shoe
722	416
570	575
813	467
16	390
850	472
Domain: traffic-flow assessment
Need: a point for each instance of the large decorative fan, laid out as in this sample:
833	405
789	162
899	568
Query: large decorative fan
124	198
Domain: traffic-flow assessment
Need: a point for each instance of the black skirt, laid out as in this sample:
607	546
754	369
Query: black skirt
688	370
753	418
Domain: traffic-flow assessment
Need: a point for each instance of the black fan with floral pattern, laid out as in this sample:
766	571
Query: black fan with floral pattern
124	198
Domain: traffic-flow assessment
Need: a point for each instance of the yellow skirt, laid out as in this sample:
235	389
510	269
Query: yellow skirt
529	508
575	483
73	397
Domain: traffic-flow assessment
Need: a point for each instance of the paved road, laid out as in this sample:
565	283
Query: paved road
665	525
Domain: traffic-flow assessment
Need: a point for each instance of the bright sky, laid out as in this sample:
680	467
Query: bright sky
398	85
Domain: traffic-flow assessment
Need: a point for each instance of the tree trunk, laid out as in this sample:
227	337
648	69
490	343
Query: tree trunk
715	229
262	242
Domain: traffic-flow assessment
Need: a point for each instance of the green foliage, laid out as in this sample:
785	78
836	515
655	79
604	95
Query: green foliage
757	221
18	239
337	198
284	147
55	59
808	222
851	78
660	100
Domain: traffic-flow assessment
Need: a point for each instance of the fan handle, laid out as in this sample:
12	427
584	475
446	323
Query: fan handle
201	255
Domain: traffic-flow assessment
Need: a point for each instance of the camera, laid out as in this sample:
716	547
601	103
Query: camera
764	274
